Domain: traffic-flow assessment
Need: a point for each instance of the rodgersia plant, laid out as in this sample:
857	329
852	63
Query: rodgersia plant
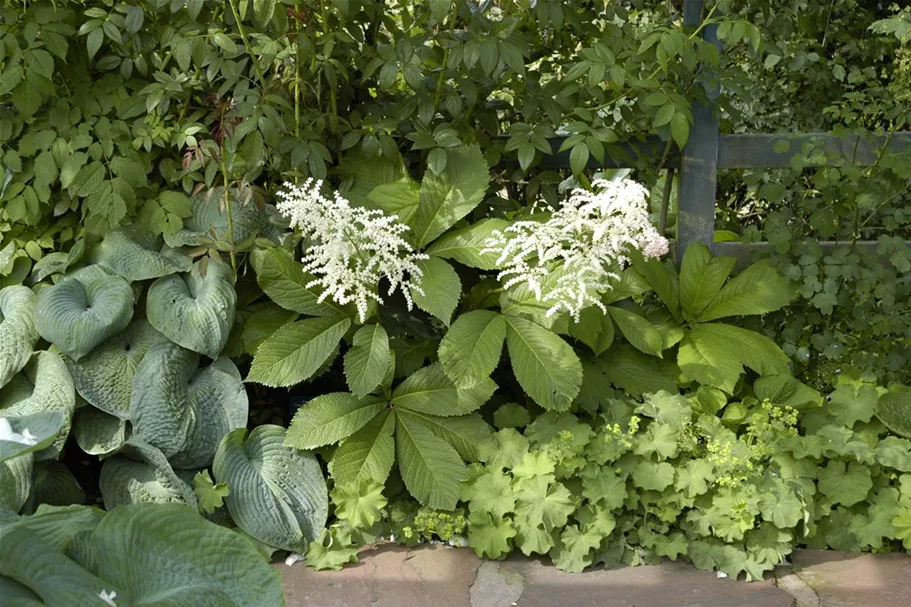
350	249
577	254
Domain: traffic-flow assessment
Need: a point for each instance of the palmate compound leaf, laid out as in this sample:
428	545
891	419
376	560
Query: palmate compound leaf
284	281
17	330
141	473
465	244
429	391
471	349
194	310
430	467
545	365
701	278
83	310
185	410
105	377
297	351
367	361
44	386
329	418
139	255
756	290
278	494
368	453
441	289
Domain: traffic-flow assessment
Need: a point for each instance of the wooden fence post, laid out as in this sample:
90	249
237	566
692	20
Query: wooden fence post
699	159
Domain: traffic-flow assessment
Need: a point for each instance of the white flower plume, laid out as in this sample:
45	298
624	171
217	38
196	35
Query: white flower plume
348	249
577	254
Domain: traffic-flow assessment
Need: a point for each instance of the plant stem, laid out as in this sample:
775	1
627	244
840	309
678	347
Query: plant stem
223	166
243	36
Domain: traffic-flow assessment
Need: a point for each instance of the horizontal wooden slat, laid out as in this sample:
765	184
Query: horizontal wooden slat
748	253
759	151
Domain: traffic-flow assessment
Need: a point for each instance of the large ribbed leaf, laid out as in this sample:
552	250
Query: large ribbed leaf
210	219
18	595
366	454
17	330
430	467
545	365
60	525
441	289
278	494
465	244
105	377
83	310
329	418
98	433
16	481
28	433
297	351
139	255
141	473
193	310
185	410
44	386
472	347
53	485
894	410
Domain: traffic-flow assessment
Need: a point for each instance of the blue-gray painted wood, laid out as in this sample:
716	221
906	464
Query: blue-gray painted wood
759	150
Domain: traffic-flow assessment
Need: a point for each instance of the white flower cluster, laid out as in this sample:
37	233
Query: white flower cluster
568	260
348	249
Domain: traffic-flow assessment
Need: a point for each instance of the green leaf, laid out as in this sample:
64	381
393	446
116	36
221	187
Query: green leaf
680	129
367	360
185	410
262	10
490	492
545	365
633	372
465	244
894	410
447	198
54	485
489	536
442	289
140	473
439	9
16	482
662	277
431	469
278	494
17	330
295	353
284	281
139	255
366	454
701	278
195	310
400	197
360	502
784	390
850	403
578	158
429	391
756	290
83	310
209	494
845	483
465	433
28	433
638	331
471	349
330	418
105	377
653	476
98	433
594	328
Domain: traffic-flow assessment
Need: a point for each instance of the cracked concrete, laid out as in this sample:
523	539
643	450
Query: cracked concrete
439	576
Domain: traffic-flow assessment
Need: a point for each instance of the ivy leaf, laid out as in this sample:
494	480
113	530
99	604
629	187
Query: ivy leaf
471	349
845	484
367	360
441	289
210	495
545	365
359	502
489	536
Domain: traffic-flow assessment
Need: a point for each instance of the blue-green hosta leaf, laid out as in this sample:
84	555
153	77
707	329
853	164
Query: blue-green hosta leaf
368	359
141	473
19	595
442	289
366	454
284	281
17	330
545	365
60	525
449	197
295	353
894	410
208	224
16	481
44	386
139	255
471	348
98	433
28	433
329	418
193	310
429	391
185	410
756	290
83	310
465	244
53	485
278	494
431	468
105	377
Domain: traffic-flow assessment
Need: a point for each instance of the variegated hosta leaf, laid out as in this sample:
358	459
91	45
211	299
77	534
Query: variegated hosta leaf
141	473
17	330
16	481
83	310
105	377
44	386
185	410
278	494
98	433
28	433
53	485
211	218
193	310
139	255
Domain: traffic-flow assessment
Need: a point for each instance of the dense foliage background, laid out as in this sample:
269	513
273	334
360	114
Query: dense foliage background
143	143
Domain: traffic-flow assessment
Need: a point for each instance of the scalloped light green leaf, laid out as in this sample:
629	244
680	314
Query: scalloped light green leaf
98	433
17	330
16	481
193	310
105	377
139	255
278	494
183	409
44	386
83	310
141	473
545	365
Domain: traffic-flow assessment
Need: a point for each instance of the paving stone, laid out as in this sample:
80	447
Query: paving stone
790	582
494	587
851	580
